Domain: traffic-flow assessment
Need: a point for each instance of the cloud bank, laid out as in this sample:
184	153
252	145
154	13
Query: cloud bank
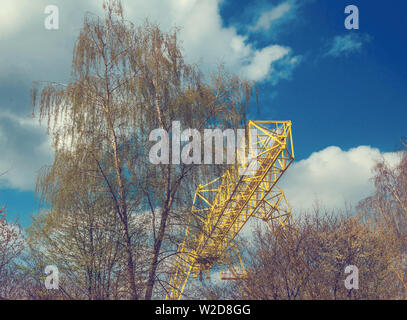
47	54
31	53
204	37
332	177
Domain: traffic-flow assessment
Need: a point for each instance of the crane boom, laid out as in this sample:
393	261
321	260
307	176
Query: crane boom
223	206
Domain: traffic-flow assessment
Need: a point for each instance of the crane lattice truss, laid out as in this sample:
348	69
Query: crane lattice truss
223	206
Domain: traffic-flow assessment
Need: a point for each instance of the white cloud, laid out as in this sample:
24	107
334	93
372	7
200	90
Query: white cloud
274	62
333	176
260	66
347	44
267	18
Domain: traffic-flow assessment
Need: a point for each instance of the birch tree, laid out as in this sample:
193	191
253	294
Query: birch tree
126	81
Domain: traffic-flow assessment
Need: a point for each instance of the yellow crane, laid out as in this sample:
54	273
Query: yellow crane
223	206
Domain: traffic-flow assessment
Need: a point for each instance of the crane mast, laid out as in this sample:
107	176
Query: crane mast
223	206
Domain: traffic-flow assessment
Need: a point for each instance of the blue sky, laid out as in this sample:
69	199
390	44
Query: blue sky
344	90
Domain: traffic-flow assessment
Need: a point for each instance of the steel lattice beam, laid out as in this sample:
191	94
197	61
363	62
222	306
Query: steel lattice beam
223	206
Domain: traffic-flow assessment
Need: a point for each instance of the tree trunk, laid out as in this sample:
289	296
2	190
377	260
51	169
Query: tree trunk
156	252
124	217
130	263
